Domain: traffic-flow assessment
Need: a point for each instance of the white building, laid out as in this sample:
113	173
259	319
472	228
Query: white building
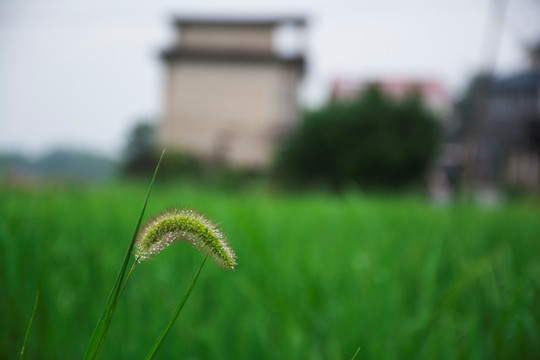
230	95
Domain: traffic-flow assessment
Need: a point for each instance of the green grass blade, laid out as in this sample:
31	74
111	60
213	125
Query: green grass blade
356	353
29	327
174	316
100	332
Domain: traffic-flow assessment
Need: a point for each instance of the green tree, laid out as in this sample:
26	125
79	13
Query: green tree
373	141
141	154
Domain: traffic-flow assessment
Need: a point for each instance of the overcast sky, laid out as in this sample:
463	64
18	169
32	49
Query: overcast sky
79	74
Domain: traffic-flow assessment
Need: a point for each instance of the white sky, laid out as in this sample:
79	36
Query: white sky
81	73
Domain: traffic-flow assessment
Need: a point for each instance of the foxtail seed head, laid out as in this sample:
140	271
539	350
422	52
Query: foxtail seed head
186	224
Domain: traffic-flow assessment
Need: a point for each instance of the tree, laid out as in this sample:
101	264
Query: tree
373	141
140	154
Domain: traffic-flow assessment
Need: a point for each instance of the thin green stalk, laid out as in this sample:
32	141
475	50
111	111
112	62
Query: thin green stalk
174	316
102	327
29	327
127	279
356	353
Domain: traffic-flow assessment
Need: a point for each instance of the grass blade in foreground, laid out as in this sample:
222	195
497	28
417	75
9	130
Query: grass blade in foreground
100	332
356	353
29	327
164	333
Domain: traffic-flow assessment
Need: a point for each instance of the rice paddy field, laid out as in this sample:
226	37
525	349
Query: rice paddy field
318	276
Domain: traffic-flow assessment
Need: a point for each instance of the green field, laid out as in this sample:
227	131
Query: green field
318	276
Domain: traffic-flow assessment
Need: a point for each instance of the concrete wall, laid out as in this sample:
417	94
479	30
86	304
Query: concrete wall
215	37
229	112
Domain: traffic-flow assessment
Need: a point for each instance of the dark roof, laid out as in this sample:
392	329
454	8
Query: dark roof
267	21
522	81
180	54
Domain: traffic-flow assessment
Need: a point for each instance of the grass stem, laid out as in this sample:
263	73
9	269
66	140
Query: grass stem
356	353
127	279
102	327
174	316
23	350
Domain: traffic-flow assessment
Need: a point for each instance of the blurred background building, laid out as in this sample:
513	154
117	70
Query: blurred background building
504	138
230	96
499	140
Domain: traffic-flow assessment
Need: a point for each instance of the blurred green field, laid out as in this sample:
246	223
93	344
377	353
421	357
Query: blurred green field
318	276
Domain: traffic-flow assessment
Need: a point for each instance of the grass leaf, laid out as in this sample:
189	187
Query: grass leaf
174	316
29	327
356	353
102	328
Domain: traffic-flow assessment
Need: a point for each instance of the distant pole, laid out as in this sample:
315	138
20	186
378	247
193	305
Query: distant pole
490	54
493	34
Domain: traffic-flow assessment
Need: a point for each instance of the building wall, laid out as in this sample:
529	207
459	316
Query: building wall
215	37
229	112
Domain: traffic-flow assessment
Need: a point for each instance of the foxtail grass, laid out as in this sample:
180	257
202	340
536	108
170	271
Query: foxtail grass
158	234
197	229
186	224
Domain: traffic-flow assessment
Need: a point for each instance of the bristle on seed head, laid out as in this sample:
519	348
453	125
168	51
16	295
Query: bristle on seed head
186	224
